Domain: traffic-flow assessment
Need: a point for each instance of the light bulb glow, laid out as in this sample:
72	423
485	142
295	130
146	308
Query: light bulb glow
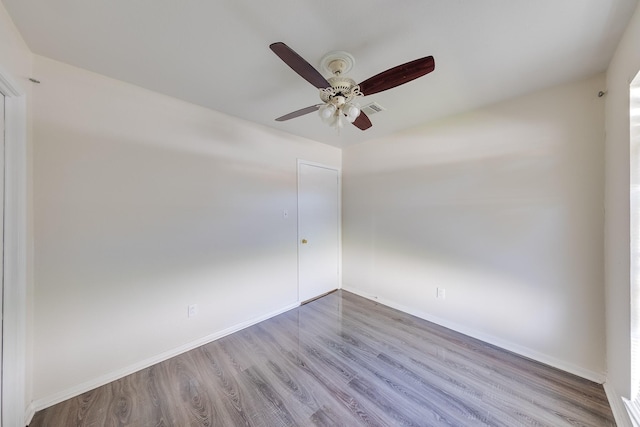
327	111
352	112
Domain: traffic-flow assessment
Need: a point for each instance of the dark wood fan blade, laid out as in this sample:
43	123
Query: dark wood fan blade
300	112
398	75
299	65
362	121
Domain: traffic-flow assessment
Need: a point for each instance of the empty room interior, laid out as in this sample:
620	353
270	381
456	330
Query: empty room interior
338	213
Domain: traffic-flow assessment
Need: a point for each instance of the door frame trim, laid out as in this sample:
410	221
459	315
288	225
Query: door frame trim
14	410
339	171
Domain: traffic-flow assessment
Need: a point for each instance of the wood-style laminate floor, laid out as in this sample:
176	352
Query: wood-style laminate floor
340	360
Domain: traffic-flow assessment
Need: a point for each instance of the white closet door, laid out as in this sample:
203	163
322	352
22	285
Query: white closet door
318	230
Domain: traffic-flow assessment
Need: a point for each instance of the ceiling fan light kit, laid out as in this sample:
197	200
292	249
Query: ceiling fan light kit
338	93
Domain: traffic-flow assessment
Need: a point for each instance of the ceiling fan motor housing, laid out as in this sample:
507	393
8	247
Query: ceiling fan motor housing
342	90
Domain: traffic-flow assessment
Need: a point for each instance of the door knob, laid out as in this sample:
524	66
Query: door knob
304	241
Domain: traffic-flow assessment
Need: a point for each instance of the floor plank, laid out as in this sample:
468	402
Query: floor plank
340	360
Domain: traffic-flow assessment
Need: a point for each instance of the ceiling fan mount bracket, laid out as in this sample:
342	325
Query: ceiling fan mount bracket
337	62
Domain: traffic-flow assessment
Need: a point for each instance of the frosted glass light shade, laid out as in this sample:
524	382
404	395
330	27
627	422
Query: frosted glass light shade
327	111
352	112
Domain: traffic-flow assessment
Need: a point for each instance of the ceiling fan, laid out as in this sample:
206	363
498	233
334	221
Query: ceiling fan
339	92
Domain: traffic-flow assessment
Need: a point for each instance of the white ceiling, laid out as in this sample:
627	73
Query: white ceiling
216	53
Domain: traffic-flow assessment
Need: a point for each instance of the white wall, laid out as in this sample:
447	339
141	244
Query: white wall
502	207
143	205
623	68
15	56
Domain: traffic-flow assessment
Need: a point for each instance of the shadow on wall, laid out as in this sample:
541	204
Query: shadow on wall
125	210
488	246
502	207
128	234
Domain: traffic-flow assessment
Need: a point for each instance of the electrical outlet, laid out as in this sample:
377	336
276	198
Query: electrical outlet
192	310
441	293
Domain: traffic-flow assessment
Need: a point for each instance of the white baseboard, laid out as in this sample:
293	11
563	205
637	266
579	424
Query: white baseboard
515	348
31	411
77	390
617	407
616	402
